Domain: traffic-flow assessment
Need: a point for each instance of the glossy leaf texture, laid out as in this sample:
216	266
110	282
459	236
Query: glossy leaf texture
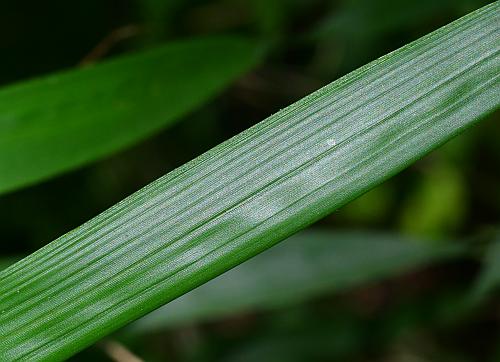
250	192
305	266
57	123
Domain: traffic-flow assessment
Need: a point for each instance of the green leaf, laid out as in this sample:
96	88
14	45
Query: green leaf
57	123
370	20
306	265
489	279
250	192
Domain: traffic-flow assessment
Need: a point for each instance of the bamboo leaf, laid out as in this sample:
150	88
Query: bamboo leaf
250	192
57	123
306	265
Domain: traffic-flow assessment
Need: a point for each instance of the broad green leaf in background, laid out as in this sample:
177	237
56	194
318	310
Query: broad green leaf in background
356	29
54	124
250	192
306	265
383	17
309	264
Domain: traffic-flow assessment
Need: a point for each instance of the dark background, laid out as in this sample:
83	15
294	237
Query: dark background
453	193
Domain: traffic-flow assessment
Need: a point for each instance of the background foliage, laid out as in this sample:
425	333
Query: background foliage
452	194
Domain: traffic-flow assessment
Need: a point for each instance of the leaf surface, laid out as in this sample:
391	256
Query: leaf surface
63	121
250	192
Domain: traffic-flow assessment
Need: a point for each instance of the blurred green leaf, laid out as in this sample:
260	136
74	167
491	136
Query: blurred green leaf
336	330
489	279
306	265
57	123
376	19
250	192
353	31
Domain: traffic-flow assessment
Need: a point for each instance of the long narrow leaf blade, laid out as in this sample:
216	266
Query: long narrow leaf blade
250	192
57	123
